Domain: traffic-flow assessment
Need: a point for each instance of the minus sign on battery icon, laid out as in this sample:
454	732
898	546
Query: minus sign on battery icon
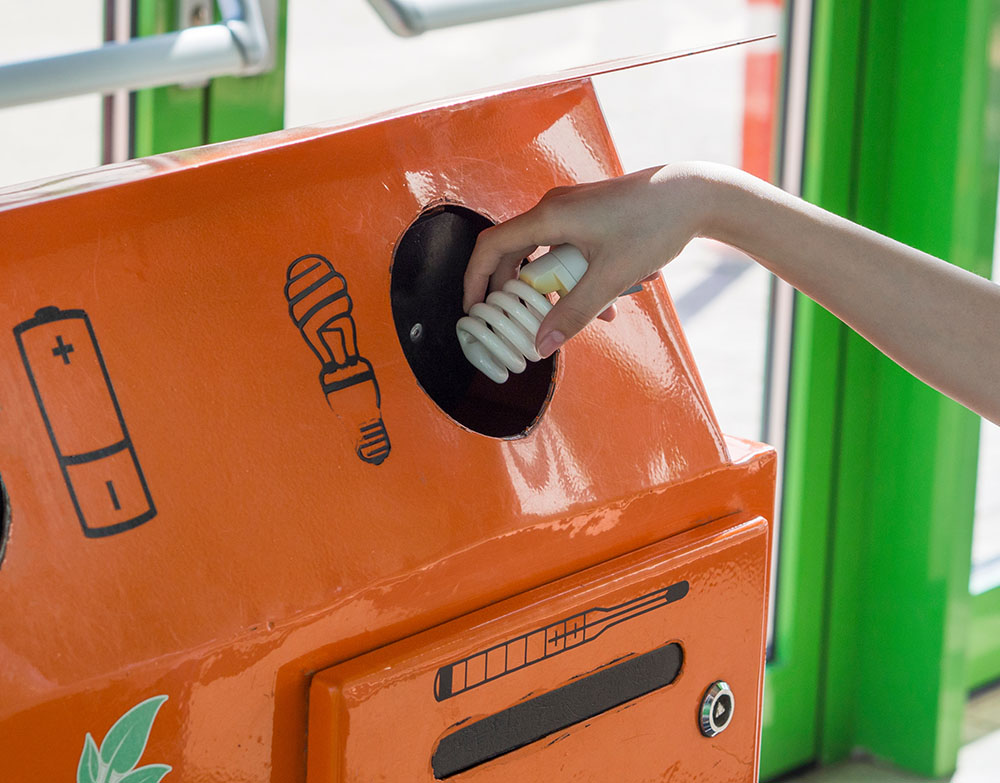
84	421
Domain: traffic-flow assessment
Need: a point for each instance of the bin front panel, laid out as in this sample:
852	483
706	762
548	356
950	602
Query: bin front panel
219	485
598	676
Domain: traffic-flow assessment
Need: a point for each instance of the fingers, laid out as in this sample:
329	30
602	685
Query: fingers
501	249
589	299
485	262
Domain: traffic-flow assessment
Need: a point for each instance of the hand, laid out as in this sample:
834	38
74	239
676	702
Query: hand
626	228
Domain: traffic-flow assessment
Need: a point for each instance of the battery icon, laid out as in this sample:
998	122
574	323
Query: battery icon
84	421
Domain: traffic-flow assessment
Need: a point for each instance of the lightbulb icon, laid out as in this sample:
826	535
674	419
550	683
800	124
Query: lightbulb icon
320	307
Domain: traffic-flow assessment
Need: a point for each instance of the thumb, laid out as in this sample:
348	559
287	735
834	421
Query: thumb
588	298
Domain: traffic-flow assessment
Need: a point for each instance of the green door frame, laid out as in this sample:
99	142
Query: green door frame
902	137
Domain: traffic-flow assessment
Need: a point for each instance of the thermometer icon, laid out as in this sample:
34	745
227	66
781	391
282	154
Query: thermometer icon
84	421
543	643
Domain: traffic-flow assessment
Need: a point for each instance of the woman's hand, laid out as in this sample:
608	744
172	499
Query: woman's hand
626	228
937	320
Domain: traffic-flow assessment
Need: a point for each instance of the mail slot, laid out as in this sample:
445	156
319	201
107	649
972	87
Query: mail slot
260	521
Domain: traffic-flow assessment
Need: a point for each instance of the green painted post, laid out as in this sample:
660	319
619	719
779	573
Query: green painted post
898	141
164	118
172	118
246	106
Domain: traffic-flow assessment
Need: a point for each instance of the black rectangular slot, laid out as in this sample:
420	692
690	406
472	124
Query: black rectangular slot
535	718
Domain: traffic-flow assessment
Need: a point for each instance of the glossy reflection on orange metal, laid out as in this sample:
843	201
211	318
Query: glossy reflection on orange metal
282	542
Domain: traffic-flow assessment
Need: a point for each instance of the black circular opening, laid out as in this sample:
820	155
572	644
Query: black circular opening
426	295
4	520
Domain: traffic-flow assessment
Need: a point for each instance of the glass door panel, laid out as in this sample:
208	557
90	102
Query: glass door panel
984	583
986	533
45	139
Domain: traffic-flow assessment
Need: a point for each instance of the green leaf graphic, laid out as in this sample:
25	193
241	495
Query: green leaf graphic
153	773
126	740
89	767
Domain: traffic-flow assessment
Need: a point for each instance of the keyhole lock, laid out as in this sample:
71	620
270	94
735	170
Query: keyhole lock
716	711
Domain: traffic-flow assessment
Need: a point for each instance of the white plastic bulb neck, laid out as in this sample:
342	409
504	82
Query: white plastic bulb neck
558	270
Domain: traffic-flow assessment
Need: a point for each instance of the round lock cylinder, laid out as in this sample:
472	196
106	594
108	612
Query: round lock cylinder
716	711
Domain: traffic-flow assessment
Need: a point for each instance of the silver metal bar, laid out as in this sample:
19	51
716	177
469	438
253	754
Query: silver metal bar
238	46
413	17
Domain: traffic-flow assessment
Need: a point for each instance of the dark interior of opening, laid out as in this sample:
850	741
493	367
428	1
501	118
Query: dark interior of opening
4	520
426	296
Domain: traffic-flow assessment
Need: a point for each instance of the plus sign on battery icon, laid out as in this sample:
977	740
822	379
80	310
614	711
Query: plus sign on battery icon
84	421
62	349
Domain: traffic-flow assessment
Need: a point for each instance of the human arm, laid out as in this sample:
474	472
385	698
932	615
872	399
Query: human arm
937	320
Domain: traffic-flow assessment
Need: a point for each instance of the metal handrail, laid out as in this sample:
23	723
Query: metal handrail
412	17
236	46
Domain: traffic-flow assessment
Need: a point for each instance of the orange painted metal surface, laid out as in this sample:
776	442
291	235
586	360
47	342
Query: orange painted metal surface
540	641
200	517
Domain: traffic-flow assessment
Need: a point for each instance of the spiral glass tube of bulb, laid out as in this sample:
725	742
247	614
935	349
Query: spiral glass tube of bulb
498	335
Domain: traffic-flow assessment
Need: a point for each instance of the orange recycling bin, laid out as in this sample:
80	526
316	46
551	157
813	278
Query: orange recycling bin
262	522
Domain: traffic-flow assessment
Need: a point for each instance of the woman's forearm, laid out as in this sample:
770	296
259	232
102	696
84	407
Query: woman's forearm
937	320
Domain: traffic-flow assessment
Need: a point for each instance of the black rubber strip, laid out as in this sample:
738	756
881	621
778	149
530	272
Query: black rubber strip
574	702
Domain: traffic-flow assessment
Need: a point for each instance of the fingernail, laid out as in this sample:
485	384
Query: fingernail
550	342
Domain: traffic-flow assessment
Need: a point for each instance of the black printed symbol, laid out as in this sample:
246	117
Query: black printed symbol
62	349
84	421
114	497
320	307
543	643
722	709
